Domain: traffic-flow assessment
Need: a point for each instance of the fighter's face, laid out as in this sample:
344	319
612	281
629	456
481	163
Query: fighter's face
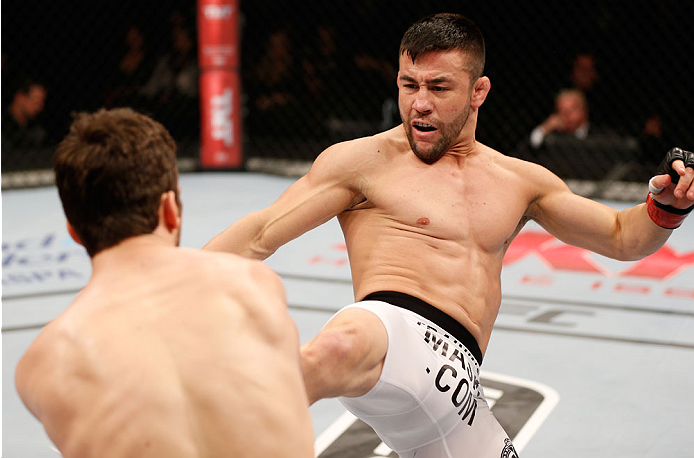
434	100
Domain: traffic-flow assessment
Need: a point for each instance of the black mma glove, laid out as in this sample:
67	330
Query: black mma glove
667	216
674	154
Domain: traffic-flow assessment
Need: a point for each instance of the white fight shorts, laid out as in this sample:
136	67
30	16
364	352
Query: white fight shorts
428	401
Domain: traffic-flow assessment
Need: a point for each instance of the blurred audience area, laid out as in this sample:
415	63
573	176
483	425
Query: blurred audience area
314	74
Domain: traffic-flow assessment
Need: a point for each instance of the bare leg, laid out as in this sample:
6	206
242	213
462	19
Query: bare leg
346	357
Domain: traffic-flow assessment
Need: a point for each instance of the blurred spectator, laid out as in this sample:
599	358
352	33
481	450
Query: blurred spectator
585	77
171	92
569	118
19	129
176	71
654	142
374	59
584	72
323	68
131	71
382	103
569	142
275	84
346	109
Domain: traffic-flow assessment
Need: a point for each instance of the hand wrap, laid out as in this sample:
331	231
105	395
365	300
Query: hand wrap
666	216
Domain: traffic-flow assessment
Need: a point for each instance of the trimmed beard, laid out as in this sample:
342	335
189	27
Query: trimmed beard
449	134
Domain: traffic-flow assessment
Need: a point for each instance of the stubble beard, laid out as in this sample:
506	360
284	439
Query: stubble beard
448	135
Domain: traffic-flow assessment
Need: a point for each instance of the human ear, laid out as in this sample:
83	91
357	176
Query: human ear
170	209
73	233
479	91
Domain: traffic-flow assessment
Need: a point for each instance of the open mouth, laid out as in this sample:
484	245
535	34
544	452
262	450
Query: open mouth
423	126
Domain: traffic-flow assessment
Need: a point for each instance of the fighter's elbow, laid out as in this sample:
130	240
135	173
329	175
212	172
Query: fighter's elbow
629	256
634	251
259	251
260	244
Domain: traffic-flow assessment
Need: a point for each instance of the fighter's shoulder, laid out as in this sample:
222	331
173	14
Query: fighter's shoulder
250	287
37	369
235	274
356	153
214	264
535	175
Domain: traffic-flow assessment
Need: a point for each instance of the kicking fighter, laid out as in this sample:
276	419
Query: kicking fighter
427	214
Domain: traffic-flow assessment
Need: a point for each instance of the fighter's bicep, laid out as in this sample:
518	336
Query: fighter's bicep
576	220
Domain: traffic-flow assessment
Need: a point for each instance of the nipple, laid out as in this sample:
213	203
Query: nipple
423	221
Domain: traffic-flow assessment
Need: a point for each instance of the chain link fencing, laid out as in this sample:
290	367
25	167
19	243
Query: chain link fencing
315	73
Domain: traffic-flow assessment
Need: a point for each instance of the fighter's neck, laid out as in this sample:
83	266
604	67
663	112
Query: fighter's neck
138	251
466	146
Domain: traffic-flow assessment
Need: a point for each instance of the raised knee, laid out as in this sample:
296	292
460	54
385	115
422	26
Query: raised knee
332	363
332	347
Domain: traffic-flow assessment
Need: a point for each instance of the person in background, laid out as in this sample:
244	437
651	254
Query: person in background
18	127
133	68
574	146
570	117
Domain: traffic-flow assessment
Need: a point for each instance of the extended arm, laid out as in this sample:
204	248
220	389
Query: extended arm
626	235
330	187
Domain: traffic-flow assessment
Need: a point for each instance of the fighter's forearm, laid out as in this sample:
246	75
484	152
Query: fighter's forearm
244	238
639	235
646	227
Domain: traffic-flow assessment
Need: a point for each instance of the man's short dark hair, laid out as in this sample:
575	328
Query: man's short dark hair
111	171
446	32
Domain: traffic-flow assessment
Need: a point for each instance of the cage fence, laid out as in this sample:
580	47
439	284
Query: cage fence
315	73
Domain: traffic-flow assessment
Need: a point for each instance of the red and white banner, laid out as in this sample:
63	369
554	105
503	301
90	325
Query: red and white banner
220	85
218	45
220	137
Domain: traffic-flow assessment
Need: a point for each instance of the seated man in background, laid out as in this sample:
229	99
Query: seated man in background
570	117
567	142
166	352
18	127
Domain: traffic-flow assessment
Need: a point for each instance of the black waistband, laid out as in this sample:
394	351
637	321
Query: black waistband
432	314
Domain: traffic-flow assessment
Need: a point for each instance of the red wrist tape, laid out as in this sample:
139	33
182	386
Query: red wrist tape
666	216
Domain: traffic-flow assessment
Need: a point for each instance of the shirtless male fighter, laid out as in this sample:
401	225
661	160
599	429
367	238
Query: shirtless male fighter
427	214
167	352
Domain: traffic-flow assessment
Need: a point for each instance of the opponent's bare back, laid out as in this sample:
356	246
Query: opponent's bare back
170	353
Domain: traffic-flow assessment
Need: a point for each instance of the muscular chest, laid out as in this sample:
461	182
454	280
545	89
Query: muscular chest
457	205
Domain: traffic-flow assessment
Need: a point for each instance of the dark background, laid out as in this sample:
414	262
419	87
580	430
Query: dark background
644	53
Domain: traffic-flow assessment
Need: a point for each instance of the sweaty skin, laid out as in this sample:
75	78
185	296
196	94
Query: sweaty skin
432	215
171	353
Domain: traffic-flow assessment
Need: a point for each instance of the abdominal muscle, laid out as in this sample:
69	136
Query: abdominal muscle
457	277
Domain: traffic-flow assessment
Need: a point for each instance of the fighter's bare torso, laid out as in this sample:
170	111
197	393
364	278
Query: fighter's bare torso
456	217
176	354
